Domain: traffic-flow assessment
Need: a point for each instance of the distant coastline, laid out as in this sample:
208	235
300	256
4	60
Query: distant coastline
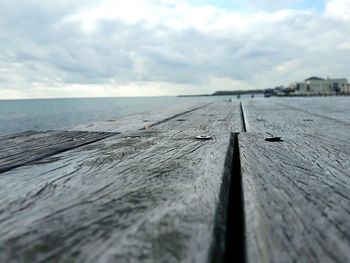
228	93
266	93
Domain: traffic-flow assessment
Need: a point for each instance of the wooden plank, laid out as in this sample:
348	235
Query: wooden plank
335	108
26	147
272	116
296	198
155	195
215	117
137	121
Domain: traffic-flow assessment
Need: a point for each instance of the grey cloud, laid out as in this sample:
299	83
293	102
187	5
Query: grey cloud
40	47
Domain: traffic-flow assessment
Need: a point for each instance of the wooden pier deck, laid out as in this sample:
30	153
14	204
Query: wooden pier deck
271	185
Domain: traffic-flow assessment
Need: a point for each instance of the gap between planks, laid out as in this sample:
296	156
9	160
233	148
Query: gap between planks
235	224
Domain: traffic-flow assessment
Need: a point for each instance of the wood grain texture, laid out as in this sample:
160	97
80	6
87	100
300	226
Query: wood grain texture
137	121
335	108
278	118
26	147
155	195
212	119
296	198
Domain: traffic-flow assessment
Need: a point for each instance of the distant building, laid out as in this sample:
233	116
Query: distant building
320	86
297	87
347	89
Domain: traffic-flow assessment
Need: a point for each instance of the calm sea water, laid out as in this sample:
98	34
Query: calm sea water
48	114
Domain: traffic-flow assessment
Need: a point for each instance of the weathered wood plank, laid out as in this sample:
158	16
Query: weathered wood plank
24	148
296	198
212	119
156	195
137	121
336	108
274	117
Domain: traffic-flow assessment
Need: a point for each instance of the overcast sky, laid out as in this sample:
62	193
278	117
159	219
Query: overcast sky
84	48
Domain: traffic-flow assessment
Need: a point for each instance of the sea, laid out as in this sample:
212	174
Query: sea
49	114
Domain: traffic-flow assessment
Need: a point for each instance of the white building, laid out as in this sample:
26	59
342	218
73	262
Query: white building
319	86
347	90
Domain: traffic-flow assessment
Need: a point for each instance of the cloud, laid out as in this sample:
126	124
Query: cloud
344	46
339	9
80	48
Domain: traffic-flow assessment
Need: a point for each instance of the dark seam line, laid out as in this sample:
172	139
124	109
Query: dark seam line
243	118
235	232
11	167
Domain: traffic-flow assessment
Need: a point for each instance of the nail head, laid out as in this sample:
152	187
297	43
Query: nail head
203	137
273	139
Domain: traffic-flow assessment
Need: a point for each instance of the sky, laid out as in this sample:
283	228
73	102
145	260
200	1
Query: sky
101	48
